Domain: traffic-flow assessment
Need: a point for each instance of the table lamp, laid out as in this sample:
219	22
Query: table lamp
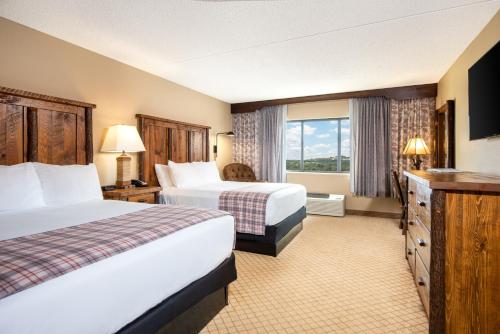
416	146
123	138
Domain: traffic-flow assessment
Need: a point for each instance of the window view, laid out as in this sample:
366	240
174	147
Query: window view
318	145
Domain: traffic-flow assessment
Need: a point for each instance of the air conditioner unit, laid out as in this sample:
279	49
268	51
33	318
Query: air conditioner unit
325	204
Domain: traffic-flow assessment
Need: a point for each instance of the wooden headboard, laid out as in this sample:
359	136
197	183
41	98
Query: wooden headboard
41	128
165	140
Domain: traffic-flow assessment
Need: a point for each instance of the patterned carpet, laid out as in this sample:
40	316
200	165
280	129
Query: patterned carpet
339	275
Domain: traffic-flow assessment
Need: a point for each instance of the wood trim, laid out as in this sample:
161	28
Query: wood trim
448	109
390	215
437	294
47	98
143	116
399	93
89	142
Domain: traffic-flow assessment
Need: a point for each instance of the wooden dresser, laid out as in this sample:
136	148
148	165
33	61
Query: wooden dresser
453	249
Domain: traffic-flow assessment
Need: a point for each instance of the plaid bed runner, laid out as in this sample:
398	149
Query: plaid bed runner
248	209
30	260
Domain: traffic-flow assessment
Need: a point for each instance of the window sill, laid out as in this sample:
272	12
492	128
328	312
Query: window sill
316	172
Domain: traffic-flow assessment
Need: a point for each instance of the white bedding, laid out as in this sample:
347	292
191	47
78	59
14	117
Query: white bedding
105	296
285	199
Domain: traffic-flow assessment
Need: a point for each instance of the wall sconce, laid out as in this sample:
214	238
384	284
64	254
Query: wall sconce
229	134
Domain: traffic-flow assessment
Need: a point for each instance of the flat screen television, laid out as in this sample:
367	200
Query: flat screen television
484	95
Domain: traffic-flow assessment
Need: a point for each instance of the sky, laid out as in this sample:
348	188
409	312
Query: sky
320	139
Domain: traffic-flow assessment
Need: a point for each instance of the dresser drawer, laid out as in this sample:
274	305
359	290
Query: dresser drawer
422	281
144	198
423	205
412	193
421	239
410	253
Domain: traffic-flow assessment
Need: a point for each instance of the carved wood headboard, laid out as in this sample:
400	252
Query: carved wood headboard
165	140
41	128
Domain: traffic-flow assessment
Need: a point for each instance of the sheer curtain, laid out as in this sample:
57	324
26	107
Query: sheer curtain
271	142
260	142
370	147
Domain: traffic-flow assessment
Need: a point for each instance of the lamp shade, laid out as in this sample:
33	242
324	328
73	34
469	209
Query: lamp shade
122	138
416	145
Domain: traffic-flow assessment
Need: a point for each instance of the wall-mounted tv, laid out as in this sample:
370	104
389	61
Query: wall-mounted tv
484	95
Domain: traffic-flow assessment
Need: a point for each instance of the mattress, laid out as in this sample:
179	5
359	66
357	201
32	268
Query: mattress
105	296
285	198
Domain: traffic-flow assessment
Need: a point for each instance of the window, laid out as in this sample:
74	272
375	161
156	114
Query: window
318	145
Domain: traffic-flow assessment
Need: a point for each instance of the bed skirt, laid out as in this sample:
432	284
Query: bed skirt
190	309
277	236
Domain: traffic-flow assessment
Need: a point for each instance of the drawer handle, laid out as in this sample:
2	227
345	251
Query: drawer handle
142	200
409	252
410	222
421	203
411	192
421	242
421	281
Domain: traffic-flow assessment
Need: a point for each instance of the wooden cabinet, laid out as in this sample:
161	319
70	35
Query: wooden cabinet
453	249
140	194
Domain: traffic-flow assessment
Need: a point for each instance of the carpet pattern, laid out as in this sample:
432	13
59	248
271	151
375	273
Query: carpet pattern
339	275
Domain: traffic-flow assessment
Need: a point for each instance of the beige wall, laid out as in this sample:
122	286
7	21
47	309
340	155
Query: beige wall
37	62
333	183
479	155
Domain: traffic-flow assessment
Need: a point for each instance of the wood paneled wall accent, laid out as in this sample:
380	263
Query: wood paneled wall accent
165	140
445	135
42	128
399	93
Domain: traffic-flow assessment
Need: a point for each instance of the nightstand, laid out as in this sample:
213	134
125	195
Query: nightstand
136	194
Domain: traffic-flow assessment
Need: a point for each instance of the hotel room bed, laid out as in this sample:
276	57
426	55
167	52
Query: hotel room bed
285	210
106	296
176	283
180	142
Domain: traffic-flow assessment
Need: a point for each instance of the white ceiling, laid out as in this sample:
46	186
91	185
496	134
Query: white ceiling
240	51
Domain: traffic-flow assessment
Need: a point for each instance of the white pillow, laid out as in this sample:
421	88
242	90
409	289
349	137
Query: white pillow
163	175
193	174
20	188
63	185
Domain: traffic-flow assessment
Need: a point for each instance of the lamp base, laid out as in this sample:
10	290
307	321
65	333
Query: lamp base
123	163
417	162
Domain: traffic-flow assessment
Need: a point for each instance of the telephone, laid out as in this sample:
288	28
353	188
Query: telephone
139	183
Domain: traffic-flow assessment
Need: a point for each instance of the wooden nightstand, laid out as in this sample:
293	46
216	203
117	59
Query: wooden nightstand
137	194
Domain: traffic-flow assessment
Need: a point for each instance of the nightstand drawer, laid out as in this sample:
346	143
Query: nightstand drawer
143	198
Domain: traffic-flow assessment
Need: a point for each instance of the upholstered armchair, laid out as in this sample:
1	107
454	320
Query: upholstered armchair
239	172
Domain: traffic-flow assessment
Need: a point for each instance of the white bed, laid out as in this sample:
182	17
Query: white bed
105	296
285	198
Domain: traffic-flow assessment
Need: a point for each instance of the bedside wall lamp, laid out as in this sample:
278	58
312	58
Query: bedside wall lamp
122	138
229	134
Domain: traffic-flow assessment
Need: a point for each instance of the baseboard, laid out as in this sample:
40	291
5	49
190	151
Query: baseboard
391	215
